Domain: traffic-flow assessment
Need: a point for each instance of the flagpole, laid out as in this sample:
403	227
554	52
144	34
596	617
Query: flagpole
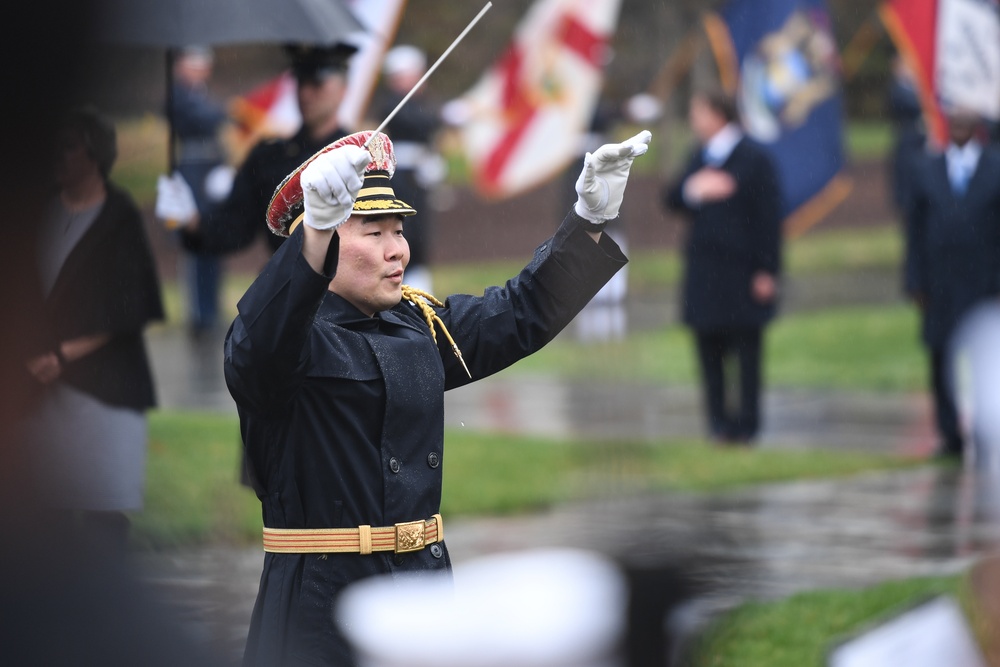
677	65
430	71
860	46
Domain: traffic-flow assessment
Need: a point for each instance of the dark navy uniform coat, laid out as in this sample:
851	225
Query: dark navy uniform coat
730	240
953	243
342	415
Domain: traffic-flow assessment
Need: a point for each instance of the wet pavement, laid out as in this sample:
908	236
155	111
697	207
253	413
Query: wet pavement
763	542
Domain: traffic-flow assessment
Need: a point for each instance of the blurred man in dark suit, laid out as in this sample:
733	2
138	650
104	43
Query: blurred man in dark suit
953	250
730	193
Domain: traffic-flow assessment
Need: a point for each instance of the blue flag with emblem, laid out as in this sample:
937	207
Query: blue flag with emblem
780	61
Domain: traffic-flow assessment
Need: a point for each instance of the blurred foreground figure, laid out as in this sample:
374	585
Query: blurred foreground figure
975	363
730	192
548	607
542	608
339	371
63	602
88	432
953	251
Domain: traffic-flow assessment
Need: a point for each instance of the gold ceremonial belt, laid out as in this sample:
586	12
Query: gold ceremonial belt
401	538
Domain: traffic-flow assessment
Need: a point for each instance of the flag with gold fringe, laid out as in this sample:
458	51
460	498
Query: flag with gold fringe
779	59
953	48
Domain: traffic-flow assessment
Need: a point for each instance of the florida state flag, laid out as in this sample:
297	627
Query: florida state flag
523	122
953	47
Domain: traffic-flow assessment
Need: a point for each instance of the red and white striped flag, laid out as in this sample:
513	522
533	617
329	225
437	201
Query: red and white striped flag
523	122
953	46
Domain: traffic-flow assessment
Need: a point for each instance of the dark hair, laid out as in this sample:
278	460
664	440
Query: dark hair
98	135
720	102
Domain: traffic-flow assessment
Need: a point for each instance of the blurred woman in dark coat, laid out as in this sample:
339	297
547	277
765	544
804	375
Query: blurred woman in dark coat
101	290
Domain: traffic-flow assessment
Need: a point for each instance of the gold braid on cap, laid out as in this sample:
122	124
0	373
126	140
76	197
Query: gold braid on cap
424	300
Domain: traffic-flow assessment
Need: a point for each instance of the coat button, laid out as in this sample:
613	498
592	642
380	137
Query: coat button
433	460
394	464
398	559
436	550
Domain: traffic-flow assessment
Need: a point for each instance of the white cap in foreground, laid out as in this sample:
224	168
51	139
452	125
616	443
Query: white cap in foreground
538	608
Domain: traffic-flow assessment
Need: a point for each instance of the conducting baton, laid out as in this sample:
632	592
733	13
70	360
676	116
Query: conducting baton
430	71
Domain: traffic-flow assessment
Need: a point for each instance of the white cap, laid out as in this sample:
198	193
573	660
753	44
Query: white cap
198	52
404	58
538	608
643	108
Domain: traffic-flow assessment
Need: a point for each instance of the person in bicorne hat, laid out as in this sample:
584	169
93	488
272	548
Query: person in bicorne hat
338	370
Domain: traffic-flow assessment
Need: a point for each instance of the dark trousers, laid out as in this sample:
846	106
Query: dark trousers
945	413
721	354
204	280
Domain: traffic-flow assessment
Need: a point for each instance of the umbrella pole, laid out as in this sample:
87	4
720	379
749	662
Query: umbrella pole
171	132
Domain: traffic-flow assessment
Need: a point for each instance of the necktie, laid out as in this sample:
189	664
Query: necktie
960	178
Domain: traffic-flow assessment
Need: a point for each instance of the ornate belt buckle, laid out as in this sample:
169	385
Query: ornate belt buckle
409	536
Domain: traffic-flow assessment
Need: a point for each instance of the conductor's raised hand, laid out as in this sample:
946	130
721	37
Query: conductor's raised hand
330	184
601	185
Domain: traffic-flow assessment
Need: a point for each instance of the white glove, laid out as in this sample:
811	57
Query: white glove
219	182
331	183
601	185
175	201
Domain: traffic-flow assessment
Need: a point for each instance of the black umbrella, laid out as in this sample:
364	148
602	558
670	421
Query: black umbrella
177	23
173	24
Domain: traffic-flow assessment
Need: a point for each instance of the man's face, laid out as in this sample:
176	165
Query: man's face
373	254
319	98
705	121
193	70
73	163
962	127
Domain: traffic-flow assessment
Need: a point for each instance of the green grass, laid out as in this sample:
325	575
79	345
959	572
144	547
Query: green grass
844	250
193	495
868	140
798	631
871	348
482	469
867	348
142	156
192	489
